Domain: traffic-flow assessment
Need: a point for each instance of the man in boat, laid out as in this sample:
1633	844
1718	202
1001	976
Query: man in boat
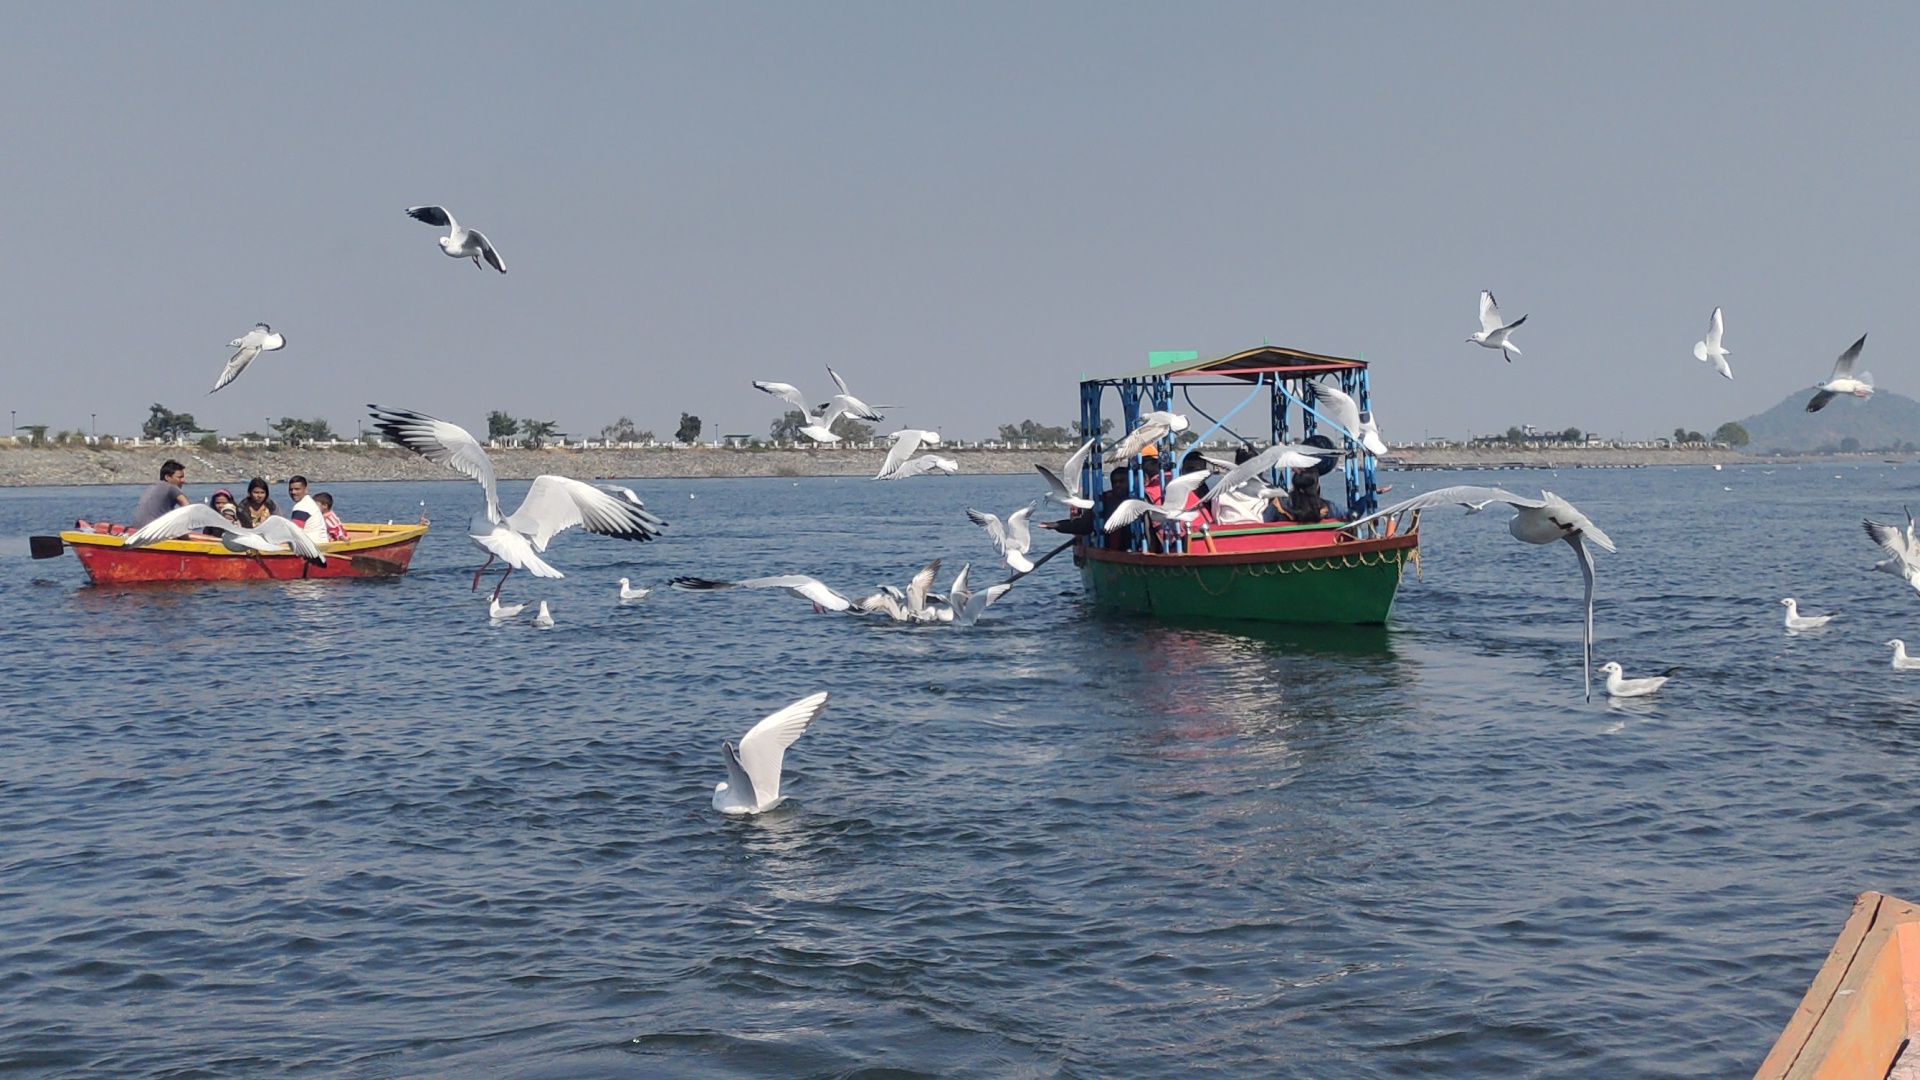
306	513
162	497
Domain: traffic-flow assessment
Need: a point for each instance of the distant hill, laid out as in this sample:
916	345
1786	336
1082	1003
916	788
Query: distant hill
1884	421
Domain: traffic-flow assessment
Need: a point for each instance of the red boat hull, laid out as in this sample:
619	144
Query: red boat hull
372	551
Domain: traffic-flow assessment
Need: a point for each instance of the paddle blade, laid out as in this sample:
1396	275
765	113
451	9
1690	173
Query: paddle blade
45	547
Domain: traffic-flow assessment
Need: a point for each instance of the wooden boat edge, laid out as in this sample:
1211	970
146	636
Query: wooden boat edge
1859	1011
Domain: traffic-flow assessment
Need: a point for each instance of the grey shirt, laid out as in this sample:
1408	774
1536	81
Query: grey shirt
156	500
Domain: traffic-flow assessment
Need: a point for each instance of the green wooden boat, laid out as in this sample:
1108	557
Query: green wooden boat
1327	572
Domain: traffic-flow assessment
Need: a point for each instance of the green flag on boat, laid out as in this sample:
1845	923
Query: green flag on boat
1156	359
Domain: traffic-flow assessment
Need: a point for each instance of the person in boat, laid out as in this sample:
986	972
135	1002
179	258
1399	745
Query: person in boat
1194	462
258	506
1303	503
162	497
1080	522
222	501
305	513
336	529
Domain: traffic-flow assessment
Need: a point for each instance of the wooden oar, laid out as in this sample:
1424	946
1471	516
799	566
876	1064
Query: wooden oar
46	547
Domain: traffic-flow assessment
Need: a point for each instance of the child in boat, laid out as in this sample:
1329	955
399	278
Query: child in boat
335	530
222	501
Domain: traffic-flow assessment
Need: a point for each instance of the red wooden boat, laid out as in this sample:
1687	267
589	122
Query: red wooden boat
368	551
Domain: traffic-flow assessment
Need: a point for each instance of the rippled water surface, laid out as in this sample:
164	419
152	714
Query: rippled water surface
351	829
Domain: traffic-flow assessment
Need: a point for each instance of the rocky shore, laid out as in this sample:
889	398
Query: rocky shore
24	467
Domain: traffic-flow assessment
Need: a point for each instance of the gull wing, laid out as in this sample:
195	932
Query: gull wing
1819	400
236	364
279	530
904	444
786	391
439	441
486	250
1149	430
1074	467
1843	367
555	504
1339	407
1558	507
1174	498
432	215
853	405
1720	364
181	520
838	381
968	613
1715	330
1018	537
1489	313
806	588
919	585
1888	537
921	466
1464	494
738	782
764	747
1061	492
1586	640
1125	514
995	531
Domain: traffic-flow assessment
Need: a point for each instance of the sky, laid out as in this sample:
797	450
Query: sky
963	208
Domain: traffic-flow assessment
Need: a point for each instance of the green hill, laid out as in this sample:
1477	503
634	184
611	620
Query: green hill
1884	421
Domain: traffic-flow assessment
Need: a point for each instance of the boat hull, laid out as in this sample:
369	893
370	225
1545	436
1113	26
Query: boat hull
1351	582
374	551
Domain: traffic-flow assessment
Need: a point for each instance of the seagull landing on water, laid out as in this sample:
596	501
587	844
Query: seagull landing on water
1621	687
1843	381
753	771
1539	521
1797	621
459	243
1710	350
1493	333
627	592
251	344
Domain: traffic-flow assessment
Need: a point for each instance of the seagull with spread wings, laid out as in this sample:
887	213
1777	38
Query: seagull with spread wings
1252	470
1903	551
815	424
1012	538
274	536
752	785
1538	521
1709	348
1843	380
1064	486
1338	406
251	344
552	505
822	596
1171	507
460	243
1153	427
901	464
1494	333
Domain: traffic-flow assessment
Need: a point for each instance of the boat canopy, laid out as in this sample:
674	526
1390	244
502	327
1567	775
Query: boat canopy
1274	372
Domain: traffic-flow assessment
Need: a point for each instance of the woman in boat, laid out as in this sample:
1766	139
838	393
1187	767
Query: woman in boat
1303	502
258	506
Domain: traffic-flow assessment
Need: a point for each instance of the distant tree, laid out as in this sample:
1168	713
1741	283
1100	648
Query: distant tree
689	429
1679	434
1106	428
1572	434
1731	433
851	430
1694	437
501	426
164	423
537	432
1849	445
209	441
787	428
622	430
1516	436
1028	431
303	431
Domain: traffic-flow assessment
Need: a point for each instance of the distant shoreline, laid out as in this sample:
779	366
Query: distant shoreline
61	466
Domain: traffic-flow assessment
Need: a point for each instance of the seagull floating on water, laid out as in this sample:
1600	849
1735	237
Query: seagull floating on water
1152	427
753	771
552	505
251	344
1620	687
459	243
543	620
276	535
1843	381
1539	521
499	612
1901	661
1710	349
629	593
917	604
967	604
1797	621
1338	406
1493	333
1012	539
1064	486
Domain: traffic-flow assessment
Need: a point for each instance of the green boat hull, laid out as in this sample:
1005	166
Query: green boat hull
1343	584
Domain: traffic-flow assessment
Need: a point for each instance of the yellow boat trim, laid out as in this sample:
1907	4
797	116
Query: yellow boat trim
364	537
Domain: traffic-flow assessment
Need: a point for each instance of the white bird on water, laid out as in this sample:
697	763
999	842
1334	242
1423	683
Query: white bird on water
1539	521
274	536
543	620
1843	381
1339	406
1152	427
459	243
1493	333
1797	621
1012	539
1710	350
499	612
753	771
552	505
1901	661
627	592
1622	687
966	604
251	344
1064	486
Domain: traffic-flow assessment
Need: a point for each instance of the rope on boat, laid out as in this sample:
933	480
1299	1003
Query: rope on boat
1297	566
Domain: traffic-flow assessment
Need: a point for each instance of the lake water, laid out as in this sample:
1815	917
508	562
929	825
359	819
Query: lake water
351	829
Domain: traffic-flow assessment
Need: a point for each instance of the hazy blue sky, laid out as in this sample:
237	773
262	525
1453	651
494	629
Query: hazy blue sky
961	207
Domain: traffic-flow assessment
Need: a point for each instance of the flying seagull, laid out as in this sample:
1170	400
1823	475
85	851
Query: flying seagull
1012	538
1621	687
1279	455
276	535
1493	333
905	442
1797	621
753	771
966	604
251	344
1903	552
1709	349
459	243
822	596
1338	406
552	505
1152	427
1172	506
1539	521
1843	381
816	424
1064	486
